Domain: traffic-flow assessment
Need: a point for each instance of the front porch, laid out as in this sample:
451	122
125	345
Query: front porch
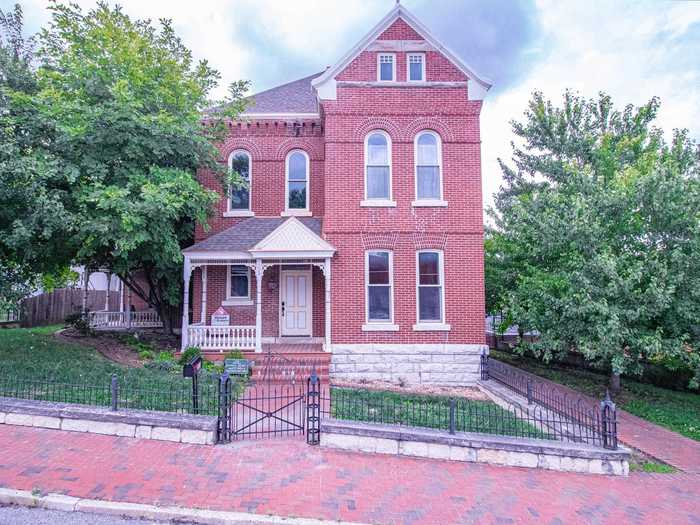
274	290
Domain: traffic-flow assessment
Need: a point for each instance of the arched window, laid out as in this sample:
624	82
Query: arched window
239	195
428	158
297	181
378	167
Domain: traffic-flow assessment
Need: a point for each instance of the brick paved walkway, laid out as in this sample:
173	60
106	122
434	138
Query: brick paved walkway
658	442
290	478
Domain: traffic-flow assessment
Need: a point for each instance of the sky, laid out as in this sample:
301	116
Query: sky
632	50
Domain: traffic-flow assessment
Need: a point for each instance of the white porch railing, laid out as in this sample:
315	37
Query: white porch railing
221	338
145	319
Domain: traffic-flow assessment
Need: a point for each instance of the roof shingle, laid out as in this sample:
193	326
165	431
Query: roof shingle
298	96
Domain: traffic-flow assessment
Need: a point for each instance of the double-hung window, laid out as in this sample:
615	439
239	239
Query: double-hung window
378	278
415	67
297	182
378	169
239	194
428	158
238	283
431	296
386	67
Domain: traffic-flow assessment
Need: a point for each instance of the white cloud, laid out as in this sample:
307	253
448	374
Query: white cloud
632	51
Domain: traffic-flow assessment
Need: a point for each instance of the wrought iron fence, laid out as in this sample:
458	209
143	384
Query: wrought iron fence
174	395
589	422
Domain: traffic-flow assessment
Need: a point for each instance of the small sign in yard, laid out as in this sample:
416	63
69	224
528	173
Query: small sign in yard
239	367
220	318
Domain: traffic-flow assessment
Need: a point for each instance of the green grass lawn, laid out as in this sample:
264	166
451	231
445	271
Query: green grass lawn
676	410
429	411
35	365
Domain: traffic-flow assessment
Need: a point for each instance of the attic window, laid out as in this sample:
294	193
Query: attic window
386	67
416	67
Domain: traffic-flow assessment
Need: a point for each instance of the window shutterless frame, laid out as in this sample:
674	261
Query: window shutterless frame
440	285
307	180
234	298
415	57
241	211
390	284
416	165
367	165
384	58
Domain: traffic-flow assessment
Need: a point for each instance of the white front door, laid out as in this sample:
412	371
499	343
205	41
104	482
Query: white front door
295	302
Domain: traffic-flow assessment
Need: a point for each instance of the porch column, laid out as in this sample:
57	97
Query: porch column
327	282
203	316
258	304
186	272
109	289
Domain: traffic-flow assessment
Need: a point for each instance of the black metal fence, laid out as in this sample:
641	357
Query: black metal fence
588	422
174	395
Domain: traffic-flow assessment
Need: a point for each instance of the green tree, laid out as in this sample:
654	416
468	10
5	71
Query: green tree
599	218
126	101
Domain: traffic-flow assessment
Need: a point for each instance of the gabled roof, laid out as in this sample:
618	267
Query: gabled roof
325	83
246	234
292	236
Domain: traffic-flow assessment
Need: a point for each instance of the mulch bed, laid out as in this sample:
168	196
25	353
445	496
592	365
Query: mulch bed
111	346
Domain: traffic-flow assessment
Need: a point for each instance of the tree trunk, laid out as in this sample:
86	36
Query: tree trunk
166	313
615	385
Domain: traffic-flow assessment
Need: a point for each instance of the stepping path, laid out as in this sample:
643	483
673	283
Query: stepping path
290	478
670	447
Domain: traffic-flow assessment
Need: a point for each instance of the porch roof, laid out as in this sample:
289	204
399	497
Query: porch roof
266	237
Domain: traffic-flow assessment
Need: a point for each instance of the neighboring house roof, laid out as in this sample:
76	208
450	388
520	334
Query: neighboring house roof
298	96
248	233
325	83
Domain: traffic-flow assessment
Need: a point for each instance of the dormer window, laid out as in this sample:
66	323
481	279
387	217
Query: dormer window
386	67
416	67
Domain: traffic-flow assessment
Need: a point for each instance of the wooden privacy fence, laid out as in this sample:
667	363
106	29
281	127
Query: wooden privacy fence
54	307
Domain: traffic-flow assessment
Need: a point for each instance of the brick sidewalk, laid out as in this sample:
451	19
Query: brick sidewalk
290	478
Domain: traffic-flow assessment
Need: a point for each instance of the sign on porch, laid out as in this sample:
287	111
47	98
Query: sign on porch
220	318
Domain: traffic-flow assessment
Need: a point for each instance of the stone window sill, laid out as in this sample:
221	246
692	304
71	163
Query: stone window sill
238	302
378	203
239	213
380	327
431	327
429	203
295	213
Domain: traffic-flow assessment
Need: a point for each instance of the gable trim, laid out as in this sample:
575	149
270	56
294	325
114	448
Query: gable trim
321	248
325	84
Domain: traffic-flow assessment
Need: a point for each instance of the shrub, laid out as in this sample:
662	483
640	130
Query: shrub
235	354
79	321
146	355
189	354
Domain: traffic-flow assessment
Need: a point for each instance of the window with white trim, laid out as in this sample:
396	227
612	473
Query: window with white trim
415	68
379	284
386	67
377	166
428	155
238	282
297	181
239	196
431	300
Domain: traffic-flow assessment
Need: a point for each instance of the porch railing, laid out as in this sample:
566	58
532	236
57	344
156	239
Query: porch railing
222	338
145	319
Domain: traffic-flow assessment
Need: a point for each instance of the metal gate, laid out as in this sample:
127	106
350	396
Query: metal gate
268	410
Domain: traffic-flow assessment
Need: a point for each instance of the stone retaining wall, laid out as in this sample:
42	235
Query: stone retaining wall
141	424
472	447
433	364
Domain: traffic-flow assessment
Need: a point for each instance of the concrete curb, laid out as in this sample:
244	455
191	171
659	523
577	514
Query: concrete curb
60	502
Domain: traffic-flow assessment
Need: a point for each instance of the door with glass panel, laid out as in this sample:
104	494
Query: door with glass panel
295	303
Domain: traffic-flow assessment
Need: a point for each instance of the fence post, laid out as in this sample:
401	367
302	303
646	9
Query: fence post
453	406
484	367
608	420
529	391
313	409
114	389
223	426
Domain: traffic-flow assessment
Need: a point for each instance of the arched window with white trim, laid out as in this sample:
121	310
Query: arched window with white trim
428	160
239	195
297	181
377	167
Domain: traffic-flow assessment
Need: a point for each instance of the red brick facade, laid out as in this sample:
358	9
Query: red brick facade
335	145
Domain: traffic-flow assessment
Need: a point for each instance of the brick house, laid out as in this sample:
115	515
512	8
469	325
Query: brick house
360	234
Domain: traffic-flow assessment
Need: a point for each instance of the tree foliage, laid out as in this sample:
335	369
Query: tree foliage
596	235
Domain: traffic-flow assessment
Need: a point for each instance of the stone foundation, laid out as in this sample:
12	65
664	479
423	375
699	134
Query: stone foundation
476	448
438	364
142	424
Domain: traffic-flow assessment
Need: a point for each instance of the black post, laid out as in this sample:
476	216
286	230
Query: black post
484	367
195	394
114	389
223	430
313	409
453	406
608	420
529	391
